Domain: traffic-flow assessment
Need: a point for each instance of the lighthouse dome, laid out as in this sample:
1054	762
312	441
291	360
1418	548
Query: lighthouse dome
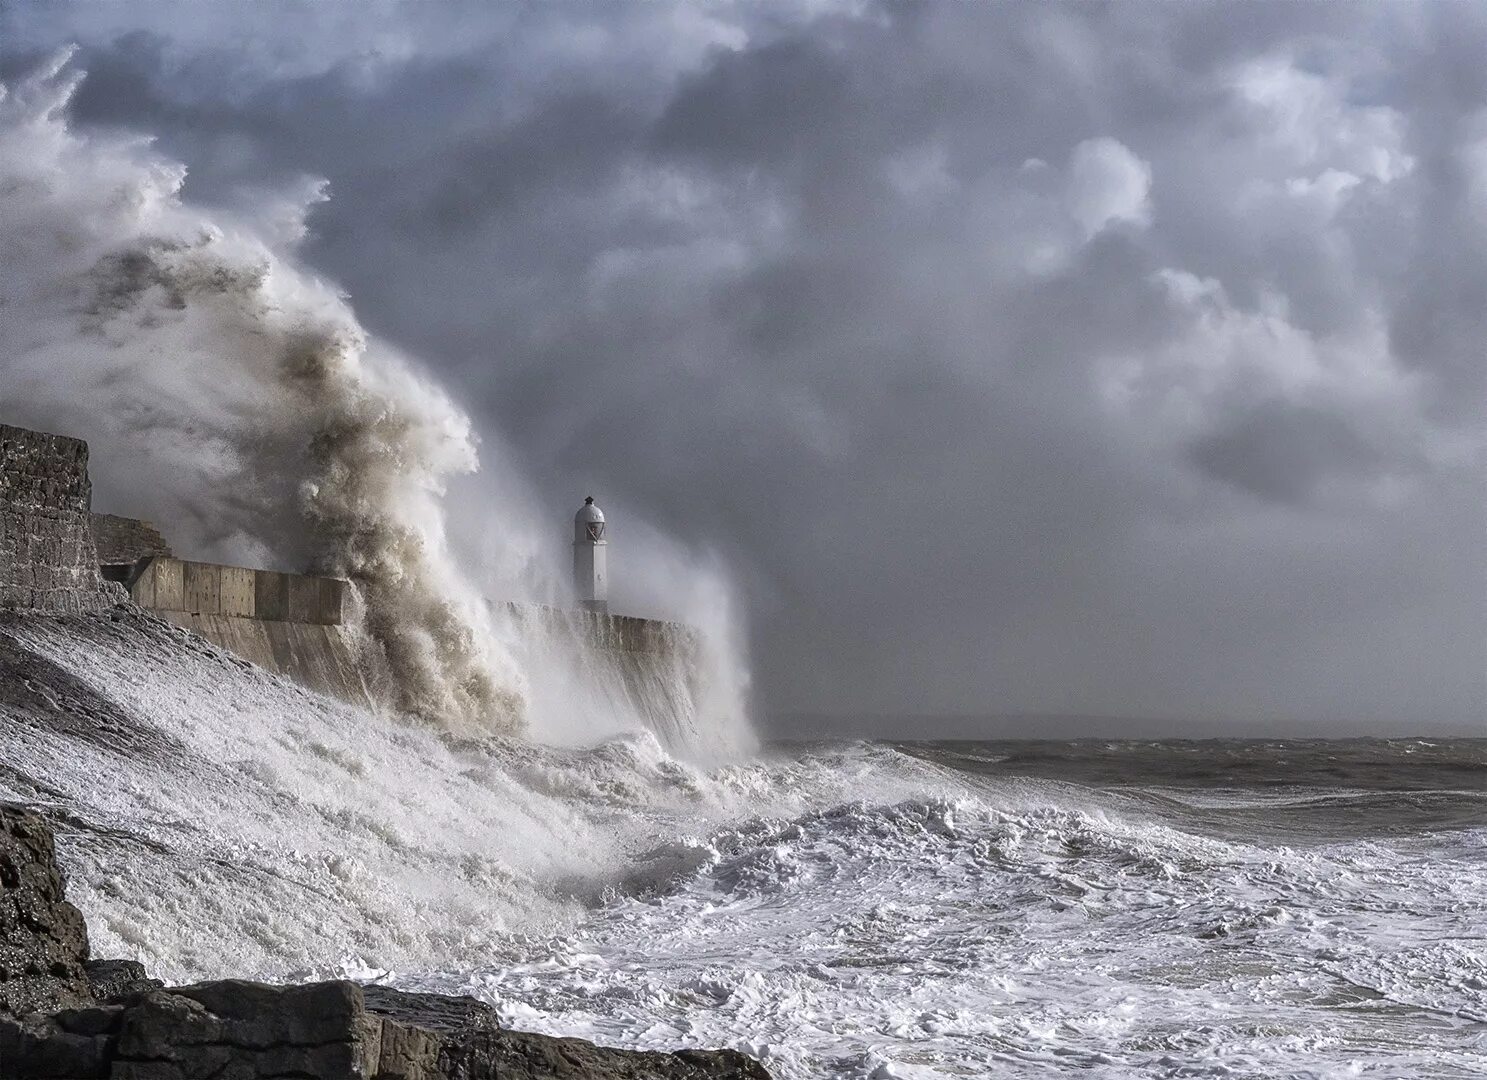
588	523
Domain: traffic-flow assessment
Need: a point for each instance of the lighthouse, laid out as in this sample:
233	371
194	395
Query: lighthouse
590	572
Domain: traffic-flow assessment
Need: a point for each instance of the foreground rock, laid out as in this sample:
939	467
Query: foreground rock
63	1017
327	1031
43	939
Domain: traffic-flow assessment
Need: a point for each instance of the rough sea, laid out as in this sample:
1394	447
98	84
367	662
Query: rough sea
1095	908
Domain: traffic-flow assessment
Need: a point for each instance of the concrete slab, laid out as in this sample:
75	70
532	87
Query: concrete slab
238	592
201	588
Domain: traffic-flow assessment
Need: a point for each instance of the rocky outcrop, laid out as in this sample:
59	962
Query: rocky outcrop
48	562
43	939
63	1017
324	1031
116	980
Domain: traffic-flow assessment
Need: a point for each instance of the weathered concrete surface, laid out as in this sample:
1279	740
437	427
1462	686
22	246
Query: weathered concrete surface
609	633
198	588
290	624
326	659
48	561
124	541
43	939
121	1026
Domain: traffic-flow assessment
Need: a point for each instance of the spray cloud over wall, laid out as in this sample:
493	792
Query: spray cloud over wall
234	398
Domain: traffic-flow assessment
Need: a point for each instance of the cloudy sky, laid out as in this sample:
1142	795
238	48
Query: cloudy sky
1113	360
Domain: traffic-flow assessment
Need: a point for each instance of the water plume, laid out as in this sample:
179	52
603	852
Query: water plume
235	397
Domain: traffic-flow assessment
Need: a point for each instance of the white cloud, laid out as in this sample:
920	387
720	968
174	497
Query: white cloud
1107	183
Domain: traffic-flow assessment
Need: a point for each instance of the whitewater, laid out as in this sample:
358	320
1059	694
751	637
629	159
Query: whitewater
514	823
839	910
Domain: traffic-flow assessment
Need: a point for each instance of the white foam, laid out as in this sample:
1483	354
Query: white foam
939	938
845	912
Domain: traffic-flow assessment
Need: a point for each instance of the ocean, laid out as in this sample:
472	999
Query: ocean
1089	908
869	909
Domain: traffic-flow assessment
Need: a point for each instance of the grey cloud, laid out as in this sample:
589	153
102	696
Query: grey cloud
842	297
1281	452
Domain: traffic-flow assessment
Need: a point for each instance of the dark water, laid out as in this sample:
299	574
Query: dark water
1282	789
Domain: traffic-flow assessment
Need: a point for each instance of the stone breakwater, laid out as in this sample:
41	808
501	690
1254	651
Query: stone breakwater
64	1016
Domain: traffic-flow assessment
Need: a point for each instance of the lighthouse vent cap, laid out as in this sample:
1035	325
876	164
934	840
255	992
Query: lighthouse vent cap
588	512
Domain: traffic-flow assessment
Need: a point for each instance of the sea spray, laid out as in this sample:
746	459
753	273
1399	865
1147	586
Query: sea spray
235	397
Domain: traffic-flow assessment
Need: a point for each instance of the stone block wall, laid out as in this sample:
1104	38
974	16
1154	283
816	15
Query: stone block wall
122	541
48	561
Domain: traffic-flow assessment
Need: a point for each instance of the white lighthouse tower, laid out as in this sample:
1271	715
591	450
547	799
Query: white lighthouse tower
590	568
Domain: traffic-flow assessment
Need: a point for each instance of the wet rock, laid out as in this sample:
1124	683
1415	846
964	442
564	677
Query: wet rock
73	1044
43	939
322	1031
113	980
461	1040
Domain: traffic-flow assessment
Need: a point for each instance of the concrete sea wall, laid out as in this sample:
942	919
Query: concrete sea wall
48	562
169	584
292	624
650	669
52	547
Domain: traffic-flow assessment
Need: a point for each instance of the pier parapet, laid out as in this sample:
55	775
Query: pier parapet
291	624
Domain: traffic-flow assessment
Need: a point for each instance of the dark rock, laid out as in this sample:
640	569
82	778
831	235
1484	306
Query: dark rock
43	939
437	1012
40	1047
247	1029
472	1046
322	1031
115	980
514	1055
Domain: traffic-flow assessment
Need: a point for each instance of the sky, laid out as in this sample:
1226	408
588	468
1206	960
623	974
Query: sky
1121	361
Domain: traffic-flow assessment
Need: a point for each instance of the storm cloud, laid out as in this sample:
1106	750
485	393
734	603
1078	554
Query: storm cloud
1078	359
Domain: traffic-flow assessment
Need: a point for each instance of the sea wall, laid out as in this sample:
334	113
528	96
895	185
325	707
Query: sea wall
292	624
650	669
57	557
48	562
198	588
